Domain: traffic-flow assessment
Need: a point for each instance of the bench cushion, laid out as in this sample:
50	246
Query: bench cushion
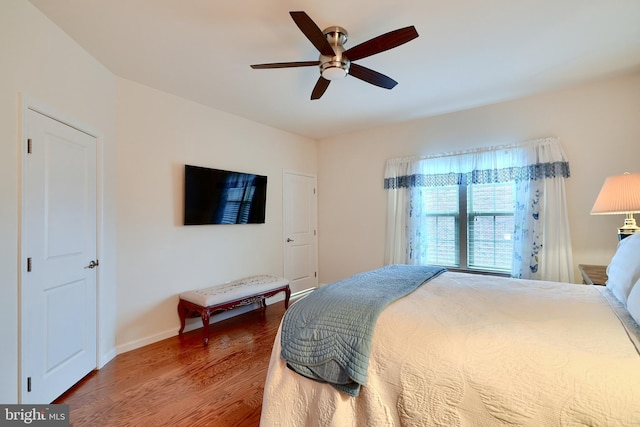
234	290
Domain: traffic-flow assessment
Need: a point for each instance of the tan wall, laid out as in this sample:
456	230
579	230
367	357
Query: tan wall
598	125
158	257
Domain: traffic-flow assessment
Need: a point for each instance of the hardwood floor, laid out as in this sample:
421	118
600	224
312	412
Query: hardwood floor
179	382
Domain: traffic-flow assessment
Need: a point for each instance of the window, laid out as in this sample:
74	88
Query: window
477	226
470	226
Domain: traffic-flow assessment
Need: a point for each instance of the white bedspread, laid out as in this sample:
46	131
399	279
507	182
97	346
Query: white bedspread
470	350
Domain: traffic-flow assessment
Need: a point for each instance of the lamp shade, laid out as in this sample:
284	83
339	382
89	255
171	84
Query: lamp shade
620	194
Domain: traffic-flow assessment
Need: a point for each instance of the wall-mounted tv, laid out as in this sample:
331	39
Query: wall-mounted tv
215	196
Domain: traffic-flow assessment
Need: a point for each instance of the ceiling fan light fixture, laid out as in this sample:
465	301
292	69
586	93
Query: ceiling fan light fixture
337	66
334	70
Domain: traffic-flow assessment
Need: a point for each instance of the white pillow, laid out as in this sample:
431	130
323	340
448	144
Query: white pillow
633	303
624	269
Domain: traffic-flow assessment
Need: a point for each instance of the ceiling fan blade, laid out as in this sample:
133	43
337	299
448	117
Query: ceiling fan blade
381	43
320	87
312	32
370	76
285	64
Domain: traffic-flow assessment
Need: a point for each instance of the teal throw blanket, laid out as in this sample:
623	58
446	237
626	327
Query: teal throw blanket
327	335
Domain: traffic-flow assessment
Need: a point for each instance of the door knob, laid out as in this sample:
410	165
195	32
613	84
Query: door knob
289	240
93	264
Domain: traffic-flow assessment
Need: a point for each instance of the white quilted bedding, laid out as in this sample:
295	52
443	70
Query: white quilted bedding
470	350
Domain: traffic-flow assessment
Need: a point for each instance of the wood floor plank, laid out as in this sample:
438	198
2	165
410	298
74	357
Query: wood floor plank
180	382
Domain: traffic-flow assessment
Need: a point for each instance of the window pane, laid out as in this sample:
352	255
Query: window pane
491	197
442	240
490	226
441	220
441	199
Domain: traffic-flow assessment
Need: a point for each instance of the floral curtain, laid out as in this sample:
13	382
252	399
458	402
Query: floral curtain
542	242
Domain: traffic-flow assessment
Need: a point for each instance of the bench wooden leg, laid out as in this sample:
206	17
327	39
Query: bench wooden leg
287	293
186	309
183	312
205	326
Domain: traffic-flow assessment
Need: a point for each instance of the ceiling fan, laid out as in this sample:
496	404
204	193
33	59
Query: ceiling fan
335	62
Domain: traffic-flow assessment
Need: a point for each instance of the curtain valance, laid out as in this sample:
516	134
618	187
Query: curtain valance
538	159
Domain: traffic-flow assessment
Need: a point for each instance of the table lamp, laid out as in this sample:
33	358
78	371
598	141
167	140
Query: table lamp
620	194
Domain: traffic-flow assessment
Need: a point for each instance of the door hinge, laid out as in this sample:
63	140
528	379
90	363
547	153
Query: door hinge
315	274
314	191
29	264
29	146
314	232
29	384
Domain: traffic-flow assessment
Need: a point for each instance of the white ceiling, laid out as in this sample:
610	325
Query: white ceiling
469	53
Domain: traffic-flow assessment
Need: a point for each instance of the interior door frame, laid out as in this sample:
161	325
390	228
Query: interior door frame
27	103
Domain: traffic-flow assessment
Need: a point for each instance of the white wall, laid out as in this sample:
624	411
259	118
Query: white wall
158	257
598	125
41	62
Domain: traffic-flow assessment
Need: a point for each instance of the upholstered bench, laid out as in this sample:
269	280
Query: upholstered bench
207	301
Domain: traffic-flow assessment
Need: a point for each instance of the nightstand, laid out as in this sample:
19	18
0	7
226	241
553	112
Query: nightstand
593	274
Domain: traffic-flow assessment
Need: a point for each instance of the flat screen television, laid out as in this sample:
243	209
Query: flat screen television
215	196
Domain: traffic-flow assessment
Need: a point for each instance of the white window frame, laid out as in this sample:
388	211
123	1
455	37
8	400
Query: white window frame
462	219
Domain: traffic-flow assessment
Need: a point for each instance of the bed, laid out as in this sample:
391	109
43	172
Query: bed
473	350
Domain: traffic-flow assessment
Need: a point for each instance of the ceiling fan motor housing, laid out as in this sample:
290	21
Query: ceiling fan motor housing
337	66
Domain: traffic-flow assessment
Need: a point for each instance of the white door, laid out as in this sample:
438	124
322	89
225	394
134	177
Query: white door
58	280
300	224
